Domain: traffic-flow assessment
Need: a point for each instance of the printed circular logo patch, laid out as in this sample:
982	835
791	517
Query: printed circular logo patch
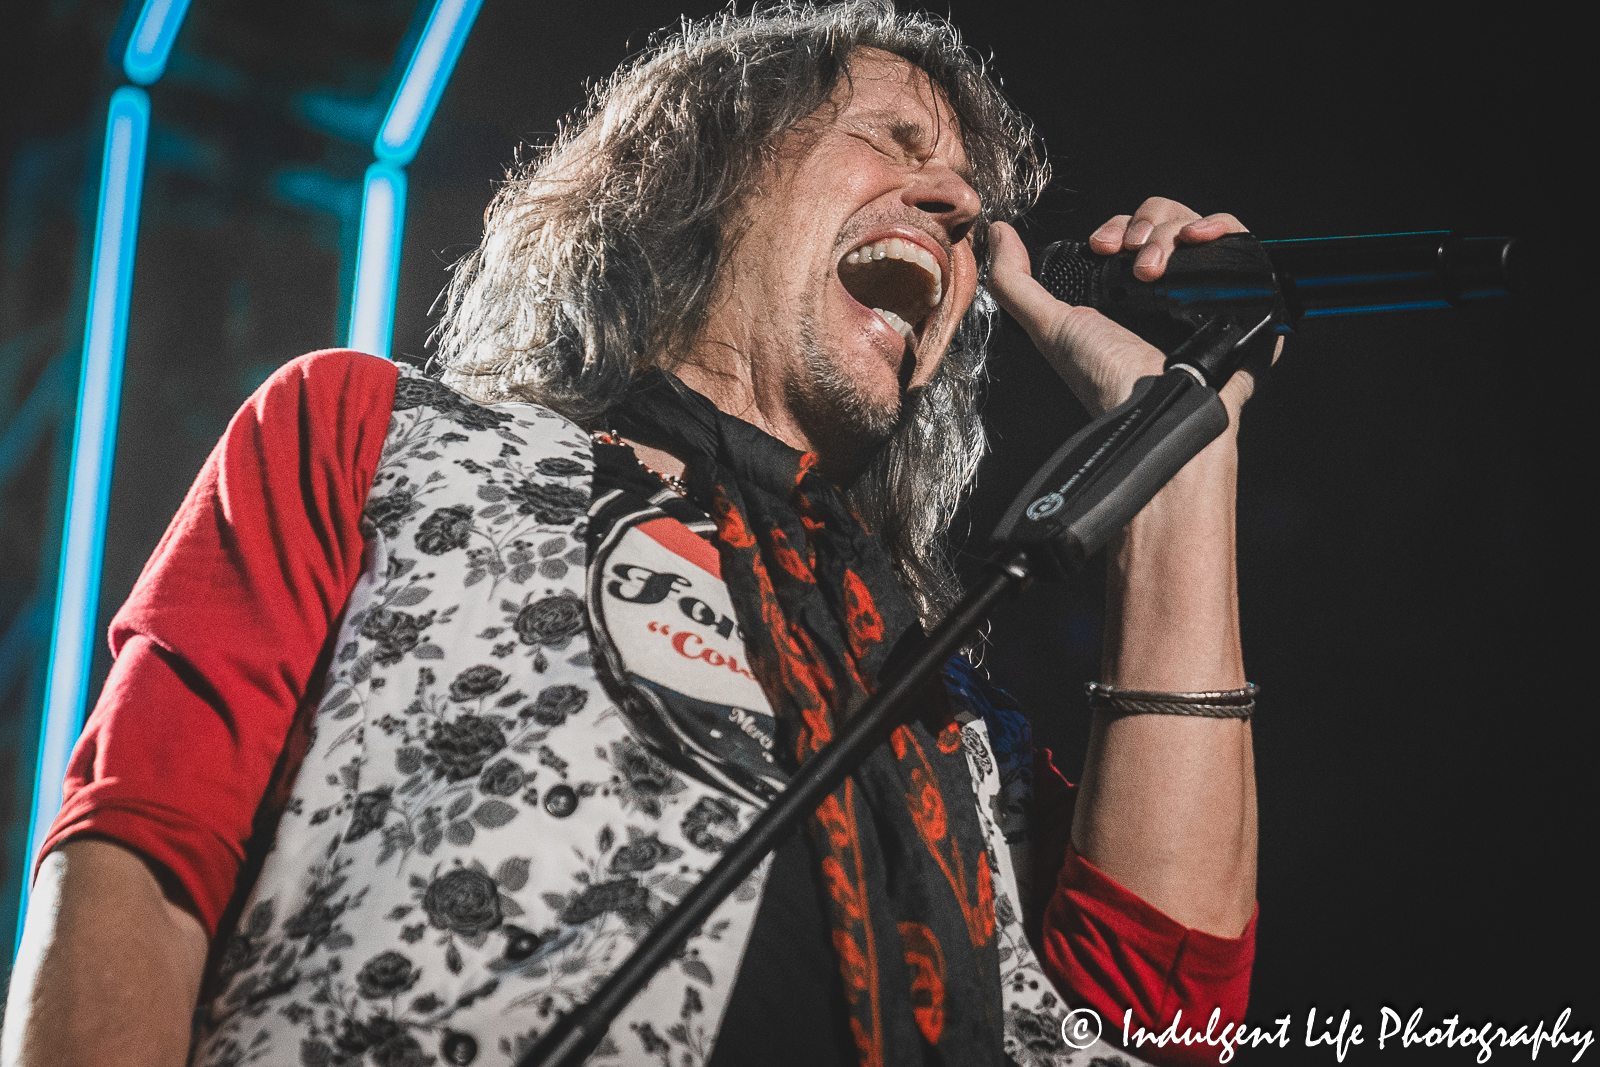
1045	506
673	642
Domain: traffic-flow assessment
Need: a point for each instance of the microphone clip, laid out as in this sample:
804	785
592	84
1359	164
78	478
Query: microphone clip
1220	346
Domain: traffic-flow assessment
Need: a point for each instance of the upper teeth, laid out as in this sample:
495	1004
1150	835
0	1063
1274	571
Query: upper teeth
895	248
896	321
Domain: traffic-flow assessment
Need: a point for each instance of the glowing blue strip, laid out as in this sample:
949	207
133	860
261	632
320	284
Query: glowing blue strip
429	70
1206	293
1315	282
93	448
152	39
1369	309
383	220
1359	237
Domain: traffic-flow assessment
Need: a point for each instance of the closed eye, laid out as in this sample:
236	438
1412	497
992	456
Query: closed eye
877	146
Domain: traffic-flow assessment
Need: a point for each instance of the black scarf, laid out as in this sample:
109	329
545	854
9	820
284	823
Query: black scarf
902	854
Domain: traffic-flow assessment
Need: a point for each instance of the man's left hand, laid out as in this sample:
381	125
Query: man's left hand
1098	359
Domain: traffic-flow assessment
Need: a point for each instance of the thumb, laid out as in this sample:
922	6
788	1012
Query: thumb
1013	285
1098	359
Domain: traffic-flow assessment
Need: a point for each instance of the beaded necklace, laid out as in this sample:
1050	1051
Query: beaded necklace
611	437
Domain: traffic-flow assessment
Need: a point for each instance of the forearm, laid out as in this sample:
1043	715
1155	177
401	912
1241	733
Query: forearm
110	964
1166	806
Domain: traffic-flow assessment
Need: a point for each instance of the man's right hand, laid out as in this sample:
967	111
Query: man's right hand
1098	359
110	964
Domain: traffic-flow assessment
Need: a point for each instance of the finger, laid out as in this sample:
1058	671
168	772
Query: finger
1242	386
1210	228
1012	283
1151	262
1108	238
1153	213
1138	233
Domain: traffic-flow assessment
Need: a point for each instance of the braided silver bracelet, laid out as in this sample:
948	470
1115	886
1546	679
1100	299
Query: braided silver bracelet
1214	704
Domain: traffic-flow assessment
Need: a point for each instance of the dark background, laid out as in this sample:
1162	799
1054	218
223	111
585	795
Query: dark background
1413	562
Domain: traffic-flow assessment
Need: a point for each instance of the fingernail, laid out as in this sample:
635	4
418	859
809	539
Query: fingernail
1107	232
1139	233
1149	257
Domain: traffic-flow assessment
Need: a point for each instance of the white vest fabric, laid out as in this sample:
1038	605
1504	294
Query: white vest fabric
477	837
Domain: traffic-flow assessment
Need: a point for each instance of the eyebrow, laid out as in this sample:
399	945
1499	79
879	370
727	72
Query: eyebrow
915	135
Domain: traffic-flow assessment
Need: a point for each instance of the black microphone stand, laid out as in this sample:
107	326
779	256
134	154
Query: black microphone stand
1091	487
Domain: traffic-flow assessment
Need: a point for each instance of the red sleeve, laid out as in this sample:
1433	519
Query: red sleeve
1114	951
222	640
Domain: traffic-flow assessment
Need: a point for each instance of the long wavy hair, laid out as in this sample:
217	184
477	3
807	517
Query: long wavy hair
600	255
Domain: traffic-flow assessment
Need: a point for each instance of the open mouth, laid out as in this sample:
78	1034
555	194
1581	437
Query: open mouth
899	280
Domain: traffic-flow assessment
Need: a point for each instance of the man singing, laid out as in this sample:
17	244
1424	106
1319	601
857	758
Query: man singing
436	696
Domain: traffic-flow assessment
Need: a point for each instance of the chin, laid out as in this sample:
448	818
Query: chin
849	422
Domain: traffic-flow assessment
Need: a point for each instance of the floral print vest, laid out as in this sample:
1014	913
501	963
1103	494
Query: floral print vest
477	836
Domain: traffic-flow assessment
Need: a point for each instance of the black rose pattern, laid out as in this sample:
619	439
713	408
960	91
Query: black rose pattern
382	1039
1032	1039
560	467
551	621
502	778
388	512
641	854
475	416
712	823
410	392
549	502
463	901
387	974
424	392
646	780
475	682
445	530
395	632
458	750
554	703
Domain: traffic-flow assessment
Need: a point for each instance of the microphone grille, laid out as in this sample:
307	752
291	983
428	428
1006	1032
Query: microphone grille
1067	271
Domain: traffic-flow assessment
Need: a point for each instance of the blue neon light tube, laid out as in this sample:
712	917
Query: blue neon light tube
383	220
425	78
93	449
151	42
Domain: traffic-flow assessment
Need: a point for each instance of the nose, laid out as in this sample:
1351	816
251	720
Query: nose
939	191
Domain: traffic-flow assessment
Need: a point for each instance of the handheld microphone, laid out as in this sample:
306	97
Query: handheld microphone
1297	279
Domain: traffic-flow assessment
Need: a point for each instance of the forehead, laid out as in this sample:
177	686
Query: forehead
885	93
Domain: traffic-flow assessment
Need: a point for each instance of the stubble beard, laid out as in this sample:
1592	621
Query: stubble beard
846	425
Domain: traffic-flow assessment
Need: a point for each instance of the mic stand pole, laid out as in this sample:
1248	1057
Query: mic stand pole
1093	485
